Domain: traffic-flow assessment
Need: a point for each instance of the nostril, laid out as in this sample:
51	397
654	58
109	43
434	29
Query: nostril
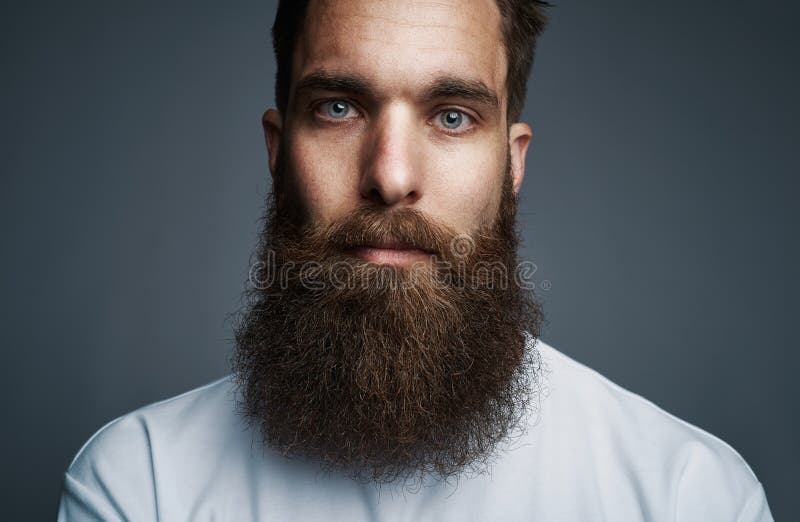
412	196
375	196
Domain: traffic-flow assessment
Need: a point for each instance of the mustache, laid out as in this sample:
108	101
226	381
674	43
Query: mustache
402	228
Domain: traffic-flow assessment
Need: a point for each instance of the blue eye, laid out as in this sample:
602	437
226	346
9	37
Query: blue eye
336	109
453	119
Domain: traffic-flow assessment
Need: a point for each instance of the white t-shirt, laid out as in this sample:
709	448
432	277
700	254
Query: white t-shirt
593	452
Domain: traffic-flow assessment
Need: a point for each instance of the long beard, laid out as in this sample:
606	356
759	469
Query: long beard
387	371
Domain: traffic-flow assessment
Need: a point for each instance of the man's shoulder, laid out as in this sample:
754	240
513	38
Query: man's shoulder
613	413
117	469
169	419
129	441
650	445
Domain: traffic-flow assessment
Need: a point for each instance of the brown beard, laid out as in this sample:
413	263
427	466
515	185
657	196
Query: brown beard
387	371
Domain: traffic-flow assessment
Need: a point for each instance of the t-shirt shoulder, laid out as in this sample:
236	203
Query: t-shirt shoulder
113	476
574	377
134	428
635	430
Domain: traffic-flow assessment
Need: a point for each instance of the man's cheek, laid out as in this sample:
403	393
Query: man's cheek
326	180
468	192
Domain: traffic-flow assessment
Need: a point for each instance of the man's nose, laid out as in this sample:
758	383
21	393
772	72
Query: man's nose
390	173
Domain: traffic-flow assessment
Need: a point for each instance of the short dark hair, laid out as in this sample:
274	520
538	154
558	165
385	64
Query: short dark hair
521	23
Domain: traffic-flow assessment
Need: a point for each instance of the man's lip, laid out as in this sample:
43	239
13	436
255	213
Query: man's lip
391	253
392	245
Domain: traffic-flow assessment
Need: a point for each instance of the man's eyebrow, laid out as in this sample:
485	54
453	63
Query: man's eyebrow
455	87
446	86
328	81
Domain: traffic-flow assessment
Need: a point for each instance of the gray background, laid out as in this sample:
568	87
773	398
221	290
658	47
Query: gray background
658	203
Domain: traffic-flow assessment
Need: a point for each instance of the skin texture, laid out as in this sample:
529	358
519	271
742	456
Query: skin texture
392	148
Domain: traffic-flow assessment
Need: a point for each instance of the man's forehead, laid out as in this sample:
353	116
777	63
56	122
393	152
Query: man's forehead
402	43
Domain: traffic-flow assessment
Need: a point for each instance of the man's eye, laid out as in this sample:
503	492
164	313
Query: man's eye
336	109
454	120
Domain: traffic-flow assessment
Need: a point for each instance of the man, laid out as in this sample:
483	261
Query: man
388	365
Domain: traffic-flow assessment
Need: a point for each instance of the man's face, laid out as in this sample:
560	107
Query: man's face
394	148
398	104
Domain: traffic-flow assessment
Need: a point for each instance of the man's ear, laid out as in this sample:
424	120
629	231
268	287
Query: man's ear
519	136
273	126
